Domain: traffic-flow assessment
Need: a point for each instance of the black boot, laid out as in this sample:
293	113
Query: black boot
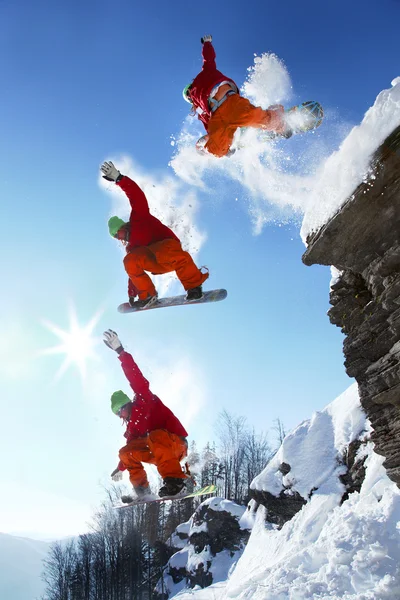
140	492
194	294
127	499
171	487
143	303
287	133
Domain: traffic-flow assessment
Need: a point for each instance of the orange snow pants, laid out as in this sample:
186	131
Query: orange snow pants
236	112
160	448
158	258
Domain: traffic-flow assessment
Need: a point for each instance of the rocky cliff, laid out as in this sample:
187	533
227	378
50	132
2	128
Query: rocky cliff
363	242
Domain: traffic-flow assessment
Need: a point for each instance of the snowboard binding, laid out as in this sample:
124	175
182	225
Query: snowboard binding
310	115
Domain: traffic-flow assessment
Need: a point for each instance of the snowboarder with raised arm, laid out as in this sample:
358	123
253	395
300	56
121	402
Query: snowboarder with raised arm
221	108
154	434
150	245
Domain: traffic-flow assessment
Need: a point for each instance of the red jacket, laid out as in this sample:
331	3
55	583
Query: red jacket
148	412
144	228
205	81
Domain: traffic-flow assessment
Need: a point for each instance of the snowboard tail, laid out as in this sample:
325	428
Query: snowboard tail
210	296
204	491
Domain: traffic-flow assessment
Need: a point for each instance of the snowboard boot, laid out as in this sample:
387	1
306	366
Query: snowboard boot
194	294
287	133
127	499
171	487
143	303
140	492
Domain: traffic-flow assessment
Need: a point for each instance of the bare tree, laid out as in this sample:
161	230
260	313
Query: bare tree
59	570
232	432
280	432
210	466
257	454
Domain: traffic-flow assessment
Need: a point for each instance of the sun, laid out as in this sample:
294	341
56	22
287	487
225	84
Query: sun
77	344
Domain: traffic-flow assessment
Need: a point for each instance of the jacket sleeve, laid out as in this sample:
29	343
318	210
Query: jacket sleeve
136	197
208	53
134	375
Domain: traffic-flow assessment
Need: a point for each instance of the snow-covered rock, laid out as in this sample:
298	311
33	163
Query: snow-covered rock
342	172
215	539
312	458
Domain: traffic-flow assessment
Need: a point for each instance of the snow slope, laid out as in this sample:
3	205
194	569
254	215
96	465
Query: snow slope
21	567
327	550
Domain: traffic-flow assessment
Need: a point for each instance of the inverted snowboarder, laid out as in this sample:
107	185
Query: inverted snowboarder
150	245
154	434
222	110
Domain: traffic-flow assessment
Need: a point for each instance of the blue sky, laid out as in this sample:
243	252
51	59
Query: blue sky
85	83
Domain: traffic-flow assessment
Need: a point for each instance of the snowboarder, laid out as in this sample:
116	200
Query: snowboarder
222	110
150	246
154	434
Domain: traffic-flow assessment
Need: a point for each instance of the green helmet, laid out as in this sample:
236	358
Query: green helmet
114	225
185	93
118	400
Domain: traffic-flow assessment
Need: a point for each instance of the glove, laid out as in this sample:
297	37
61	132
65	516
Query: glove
200	144
110	172
281	128
206	38
284	130
116	475
277	122
112	341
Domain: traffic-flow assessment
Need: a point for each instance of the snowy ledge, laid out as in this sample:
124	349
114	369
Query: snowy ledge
369	221
337	178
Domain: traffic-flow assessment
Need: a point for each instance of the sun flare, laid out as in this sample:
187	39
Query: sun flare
78	343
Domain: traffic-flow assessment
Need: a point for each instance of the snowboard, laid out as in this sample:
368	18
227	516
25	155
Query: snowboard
204	491
210	296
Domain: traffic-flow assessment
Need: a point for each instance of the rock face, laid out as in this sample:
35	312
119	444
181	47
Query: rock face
355	464
279	508
207	544
363	242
